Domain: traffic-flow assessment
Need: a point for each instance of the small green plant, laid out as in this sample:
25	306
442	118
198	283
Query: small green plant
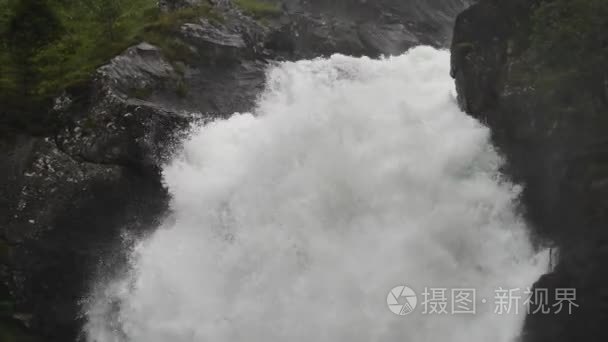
47	46
180	68
89	123
140	93
259	8
181	89
172	48
571	36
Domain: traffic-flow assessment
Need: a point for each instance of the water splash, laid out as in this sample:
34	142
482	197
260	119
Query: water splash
355	175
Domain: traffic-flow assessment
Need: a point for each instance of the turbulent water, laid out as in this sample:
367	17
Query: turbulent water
293	224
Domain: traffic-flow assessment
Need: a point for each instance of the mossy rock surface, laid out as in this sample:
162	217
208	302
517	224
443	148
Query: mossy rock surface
259	9
84	36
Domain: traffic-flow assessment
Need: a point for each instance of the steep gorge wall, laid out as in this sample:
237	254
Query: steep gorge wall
553	135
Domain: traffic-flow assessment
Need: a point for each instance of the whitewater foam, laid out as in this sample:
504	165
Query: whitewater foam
292	224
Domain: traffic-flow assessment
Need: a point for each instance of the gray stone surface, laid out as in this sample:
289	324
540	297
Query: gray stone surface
70	197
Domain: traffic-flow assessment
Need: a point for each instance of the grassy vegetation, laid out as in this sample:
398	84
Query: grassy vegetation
181	89
47	46
259	8
572	37
140	93
91	35
158	31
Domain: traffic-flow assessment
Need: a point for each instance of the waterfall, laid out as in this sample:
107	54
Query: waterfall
293	223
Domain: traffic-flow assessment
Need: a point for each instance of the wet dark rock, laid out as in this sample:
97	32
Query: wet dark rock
141	66
391	39
60	213
71	197
553	136
117	129
204	32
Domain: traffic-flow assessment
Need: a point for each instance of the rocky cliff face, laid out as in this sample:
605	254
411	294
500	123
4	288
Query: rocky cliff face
553	135
73	199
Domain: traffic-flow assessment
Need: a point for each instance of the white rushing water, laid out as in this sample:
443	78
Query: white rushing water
353	176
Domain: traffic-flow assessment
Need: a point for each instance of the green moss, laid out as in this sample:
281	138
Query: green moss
89	123
172	48
92	34
179	68
571	37
464	48
167	22
89	34
140	93
259	9
181	89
